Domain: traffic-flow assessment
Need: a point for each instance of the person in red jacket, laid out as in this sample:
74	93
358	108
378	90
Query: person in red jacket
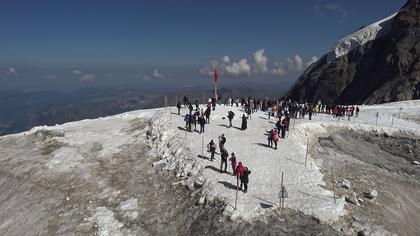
239	172
275	137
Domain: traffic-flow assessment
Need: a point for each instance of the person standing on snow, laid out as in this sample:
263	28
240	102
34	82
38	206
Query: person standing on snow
212	147
187	121
244	125
230	117
283	127
213	103
245	179
232	160
207	114
222	141
178	105
275	136
357	111
223	160
270	138
196	104
202	122
239	171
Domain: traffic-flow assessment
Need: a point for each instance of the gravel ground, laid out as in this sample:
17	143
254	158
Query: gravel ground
372	161
118	194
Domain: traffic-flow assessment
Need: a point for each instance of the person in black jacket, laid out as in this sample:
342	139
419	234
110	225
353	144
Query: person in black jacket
178	105
245	179
207	114
202	122
230	117
223	160
244	125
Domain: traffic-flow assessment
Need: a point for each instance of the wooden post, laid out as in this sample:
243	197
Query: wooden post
176	99
237	190
333	183
281	189
377	115
392	121
202	144
307	151
204	99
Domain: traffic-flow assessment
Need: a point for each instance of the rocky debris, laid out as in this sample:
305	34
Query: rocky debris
352	198
345	183
201	200
371	194
129	209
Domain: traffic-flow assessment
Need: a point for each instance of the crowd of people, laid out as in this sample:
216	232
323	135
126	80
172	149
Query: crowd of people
282	110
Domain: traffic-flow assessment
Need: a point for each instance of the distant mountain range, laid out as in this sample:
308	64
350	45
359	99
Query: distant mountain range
20	111
378	63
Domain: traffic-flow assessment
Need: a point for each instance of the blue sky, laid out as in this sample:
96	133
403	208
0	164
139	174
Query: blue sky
125	41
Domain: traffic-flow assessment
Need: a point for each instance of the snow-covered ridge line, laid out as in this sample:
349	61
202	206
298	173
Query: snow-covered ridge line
173	153
360	37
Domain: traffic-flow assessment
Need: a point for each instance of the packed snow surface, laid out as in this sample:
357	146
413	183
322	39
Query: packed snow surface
181	151
360	37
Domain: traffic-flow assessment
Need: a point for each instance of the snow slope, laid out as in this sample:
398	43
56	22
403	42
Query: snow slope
178	151
360	37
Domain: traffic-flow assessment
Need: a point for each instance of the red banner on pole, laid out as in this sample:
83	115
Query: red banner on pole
216	77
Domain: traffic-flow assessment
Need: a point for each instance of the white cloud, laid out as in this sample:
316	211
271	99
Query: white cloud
87	78
226	59
278	70
157	74
295	64
260	66
12	71
312	60
239	68
52	77
261	61
77	72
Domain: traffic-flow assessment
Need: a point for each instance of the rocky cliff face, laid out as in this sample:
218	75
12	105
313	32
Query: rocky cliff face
380	64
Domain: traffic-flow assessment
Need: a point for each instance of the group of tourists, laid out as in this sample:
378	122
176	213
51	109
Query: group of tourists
282	110
196	115
238	169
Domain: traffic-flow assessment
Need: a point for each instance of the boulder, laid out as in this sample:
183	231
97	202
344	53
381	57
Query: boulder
345	183
352	198
371	194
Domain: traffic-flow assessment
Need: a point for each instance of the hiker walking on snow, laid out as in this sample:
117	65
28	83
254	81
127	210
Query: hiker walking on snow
202	122
207	114
239	171
270	138
212	147
230	117
232	160
222	141
244	122
223	160
178	105
245	179
275	137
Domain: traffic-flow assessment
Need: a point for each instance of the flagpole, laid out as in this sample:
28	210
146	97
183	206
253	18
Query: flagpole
215	90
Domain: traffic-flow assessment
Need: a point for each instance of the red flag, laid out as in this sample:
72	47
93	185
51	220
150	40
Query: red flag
216	77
